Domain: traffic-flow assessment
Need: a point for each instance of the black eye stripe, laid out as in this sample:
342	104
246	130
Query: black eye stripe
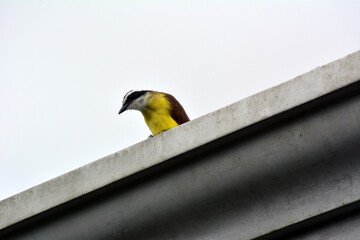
134	96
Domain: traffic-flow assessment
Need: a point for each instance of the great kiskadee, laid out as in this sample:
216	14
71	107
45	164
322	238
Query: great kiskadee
161	111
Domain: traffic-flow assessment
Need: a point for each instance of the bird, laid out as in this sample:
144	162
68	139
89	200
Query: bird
161	110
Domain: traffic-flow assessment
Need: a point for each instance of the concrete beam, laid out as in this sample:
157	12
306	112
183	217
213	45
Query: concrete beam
233	120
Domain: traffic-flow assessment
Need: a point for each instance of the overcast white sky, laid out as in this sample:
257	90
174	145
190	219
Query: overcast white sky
65	66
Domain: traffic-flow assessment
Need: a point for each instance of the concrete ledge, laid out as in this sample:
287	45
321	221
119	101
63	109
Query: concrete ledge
230	119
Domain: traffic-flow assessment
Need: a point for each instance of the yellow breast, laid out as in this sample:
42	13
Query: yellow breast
158	114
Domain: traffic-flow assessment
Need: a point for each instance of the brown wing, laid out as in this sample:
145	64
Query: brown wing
177	112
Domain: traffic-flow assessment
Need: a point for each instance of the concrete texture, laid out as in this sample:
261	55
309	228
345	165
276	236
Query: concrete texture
283	171
282	174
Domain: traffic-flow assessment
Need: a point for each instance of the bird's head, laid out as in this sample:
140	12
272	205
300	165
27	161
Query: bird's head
136	100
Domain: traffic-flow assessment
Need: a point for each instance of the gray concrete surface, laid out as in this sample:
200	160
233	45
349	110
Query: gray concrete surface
242	183
283	171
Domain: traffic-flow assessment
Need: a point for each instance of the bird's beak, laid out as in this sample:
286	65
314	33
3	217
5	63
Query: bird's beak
123	108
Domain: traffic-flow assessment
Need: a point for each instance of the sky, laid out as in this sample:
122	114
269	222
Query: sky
66	65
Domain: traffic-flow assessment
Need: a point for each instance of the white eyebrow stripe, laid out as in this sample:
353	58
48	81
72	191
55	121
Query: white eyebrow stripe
127	95
131	92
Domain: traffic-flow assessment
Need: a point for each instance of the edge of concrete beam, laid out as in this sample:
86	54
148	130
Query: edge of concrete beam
145	154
